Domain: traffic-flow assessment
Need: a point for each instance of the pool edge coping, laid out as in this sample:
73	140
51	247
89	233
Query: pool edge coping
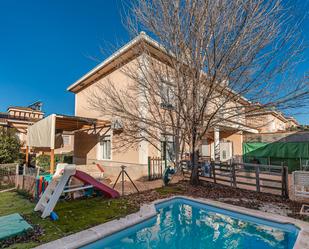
148	211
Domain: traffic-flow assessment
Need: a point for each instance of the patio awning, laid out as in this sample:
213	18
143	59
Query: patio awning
42	133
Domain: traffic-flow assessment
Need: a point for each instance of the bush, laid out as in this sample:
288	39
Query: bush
9	145
42	161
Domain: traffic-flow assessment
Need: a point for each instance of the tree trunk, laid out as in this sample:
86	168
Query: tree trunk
177	154
194	180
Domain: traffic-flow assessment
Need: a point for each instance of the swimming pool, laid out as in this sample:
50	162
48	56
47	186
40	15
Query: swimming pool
184	223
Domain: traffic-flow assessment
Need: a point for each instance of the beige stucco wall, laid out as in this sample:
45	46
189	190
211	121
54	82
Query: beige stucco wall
86	146
291	123
236	138
82	106
66	148
137	155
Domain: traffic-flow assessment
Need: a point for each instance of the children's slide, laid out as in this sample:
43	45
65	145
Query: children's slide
59	181
107	191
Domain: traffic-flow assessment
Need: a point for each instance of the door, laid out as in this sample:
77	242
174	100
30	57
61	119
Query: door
226	151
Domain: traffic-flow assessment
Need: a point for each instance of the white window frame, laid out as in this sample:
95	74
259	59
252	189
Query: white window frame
167	95
100	148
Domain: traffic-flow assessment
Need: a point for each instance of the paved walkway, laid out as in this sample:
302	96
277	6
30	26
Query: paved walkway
143	185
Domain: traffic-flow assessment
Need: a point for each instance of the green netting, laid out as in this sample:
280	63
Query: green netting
277	149
291	154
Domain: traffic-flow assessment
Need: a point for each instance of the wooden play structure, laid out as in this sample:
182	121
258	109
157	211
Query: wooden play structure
41	135
60	185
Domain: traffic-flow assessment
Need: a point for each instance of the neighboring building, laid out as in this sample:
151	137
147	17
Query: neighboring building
271	122
291	123
20	118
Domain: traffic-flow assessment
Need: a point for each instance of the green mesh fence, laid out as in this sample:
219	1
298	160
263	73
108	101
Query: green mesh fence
291	154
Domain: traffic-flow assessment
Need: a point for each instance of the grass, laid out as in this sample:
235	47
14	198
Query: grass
6	186
170	190
74	216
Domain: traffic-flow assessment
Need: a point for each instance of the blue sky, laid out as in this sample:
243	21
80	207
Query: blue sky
46	45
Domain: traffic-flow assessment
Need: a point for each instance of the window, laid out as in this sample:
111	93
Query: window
105	147
66	139
205	148
167	96
168	149
224	154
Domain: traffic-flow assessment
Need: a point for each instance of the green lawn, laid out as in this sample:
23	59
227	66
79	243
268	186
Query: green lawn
74	216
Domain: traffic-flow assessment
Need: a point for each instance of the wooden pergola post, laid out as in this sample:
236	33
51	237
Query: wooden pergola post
52	161
27	155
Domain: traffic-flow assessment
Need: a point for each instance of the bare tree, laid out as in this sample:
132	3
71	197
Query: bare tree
222	60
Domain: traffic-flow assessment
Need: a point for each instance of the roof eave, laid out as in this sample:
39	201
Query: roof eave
141	37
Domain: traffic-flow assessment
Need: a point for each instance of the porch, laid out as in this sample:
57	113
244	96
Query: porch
224	142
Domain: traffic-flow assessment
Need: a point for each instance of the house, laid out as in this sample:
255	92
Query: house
98	148
271	121
291	123
20	118
95	136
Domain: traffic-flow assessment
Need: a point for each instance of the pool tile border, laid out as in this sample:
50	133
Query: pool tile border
147	211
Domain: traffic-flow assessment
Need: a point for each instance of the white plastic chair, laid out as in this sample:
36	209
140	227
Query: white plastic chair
301	184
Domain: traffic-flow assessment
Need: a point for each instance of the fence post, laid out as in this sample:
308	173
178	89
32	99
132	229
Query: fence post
257	176
17	169
158	167
233	175
157	171
149	168
213	167
284	181
38	171
286	178
24	169
16	175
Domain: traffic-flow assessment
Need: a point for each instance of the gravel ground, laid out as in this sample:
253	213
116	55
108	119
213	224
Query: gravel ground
240	197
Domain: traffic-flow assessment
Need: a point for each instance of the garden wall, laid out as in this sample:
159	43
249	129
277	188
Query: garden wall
26	183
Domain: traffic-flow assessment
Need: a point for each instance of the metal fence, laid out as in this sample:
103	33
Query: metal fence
258	177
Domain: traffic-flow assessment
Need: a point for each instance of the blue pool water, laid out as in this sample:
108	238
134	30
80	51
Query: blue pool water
182	223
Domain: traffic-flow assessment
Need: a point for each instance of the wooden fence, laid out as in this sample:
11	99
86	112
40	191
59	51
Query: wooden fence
8	169
7	175
261	178
31	171
156	166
